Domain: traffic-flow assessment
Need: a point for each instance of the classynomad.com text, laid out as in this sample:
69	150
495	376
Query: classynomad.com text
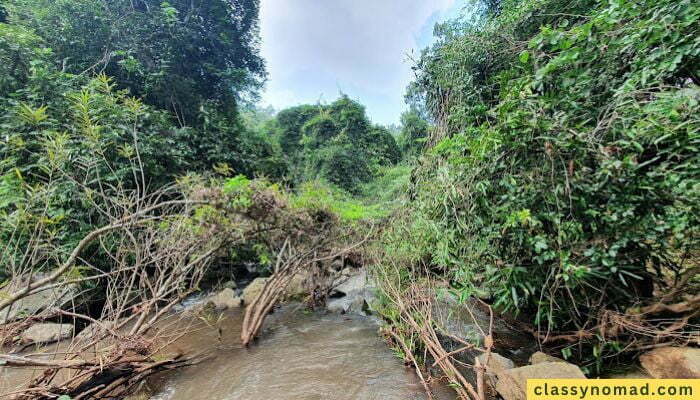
613	389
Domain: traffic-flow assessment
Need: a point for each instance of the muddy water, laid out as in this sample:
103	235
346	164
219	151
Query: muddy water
300	356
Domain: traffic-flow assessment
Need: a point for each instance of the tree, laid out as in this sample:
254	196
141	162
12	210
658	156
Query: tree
414	132
561	183
197	60
3	12
335	142
350	117
179	55
289	124
318	131
382	146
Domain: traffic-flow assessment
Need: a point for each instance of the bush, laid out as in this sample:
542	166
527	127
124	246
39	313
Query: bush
335	142
564	180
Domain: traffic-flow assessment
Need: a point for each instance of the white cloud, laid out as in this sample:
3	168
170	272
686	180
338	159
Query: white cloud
315	47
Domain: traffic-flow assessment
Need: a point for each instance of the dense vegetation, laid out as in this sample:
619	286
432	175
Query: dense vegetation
114	97
548	163
135	95
135	169
334	142
563	180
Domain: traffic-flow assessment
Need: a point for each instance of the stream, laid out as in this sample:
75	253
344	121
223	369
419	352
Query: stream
300	355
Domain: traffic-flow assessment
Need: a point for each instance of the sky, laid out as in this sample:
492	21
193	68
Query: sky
316	49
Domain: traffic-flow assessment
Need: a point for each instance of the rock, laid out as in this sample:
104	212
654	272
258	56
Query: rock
225	299
230	285
354	295
466	321
93	329
297	285
353	283
337	264
33	304
672	363
497	363
253	290
512	383
540	357
46	333
353	303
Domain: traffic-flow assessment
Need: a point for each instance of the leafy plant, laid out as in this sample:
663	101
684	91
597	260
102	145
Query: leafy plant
563	180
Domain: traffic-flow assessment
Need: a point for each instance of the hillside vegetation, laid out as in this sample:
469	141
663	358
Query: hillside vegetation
547	169
562	180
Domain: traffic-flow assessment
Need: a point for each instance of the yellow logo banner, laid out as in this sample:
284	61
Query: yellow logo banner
613	389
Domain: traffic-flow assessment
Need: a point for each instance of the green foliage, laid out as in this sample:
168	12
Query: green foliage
382	147
190	63
177	71
52	155
20	50
10	191
236	184
414	132
564	180
179	55
388	189
319	196
90	116
336	142
261	151
318	131
239	188
290	122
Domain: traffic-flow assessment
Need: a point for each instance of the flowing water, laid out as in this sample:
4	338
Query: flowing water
300	356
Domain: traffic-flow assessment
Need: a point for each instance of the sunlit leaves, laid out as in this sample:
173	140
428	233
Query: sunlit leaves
56	146
32	115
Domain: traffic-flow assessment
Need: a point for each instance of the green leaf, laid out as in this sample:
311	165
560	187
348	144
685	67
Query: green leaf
524	56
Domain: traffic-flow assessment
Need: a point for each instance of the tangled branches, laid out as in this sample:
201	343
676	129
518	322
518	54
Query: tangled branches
409	304
155	259
295	255
153	253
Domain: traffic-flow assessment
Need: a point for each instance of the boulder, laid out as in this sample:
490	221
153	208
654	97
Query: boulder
512	383
352	303
353	282
297	285
225	299
230	285
46	333
672	363
33	304
467	320
495	365
253	290
539	357
354	294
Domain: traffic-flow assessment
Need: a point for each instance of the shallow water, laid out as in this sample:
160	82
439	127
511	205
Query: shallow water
299	356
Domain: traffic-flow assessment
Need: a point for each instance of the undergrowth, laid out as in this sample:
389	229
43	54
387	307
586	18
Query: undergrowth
563	180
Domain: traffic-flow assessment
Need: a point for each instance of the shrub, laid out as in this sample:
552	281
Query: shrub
564	178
